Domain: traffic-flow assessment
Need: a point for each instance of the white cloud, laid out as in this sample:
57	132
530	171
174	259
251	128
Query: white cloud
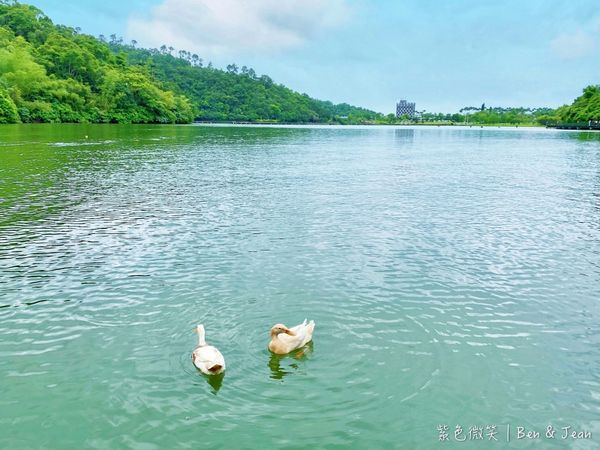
221	27
574	45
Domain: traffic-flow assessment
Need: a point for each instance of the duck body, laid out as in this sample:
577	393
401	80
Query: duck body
285	340
206	358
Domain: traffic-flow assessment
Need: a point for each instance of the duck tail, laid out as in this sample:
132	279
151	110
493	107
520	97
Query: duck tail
215	368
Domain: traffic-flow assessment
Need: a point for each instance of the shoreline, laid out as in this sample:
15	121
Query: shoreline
416	124
315	124
287	124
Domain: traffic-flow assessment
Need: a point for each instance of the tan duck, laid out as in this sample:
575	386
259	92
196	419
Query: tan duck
206	357
284	339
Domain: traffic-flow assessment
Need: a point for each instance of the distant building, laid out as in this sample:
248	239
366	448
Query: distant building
404	108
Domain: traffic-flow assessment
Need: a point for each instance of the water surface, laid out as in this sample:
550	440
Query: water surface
454	276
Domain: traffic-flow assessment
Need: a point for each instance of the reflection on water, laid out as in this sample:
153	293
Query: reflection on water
283	365
215	381
404	135
592	136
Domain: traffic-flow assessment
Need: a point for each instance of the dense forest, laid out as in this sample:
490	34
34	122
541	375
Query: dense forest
234	94
54	73
51	73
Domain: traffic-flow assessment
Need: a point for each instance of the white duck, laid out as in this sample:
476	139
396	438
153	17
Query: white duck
285	340
206	357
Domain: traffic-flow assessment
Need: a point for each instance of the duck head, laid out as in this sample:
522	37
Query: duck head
279	329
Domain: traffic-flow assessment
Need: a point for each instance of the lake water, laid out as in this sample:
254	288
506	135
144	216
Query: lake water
454	276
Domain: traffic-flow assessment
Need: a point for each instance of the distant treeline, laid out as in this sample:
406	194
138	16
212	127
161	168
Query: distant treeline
53	73
584	109
490	115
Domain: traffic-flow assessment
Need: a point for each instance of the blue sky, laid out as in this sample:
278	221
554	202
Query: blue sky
441	54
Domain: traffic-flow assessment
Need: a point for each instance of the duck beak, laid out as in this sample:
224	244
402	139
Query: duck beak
290	332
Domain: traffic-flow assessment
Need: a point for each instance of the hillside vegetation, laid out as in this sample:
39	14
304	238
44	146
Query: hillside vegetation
585	107
235	94
53	73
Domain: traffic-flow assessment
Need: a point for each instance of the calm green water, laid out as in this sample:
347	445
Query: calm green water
454	276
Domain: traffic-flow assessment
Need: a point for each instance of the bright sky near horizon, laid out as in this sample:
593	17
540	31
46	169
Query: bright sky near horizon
441	54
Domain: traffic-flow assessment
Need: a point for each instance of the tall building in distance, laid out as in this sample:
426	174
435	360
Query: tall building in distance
404	108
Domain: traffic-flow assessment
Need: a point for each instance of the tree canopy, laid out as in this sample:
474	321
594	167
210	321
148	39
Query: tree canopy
52	73
585	107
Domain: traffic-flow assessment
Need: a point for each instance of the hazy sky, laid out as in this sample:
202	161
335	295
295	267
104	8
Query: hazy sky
442	54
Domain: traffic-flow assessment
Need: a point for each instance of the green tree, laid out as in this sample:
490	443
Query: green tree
66	59
8	109
25	20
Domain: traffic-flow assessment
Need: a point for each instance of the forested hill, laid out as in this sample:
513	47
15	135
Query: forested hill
53	73
235	93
